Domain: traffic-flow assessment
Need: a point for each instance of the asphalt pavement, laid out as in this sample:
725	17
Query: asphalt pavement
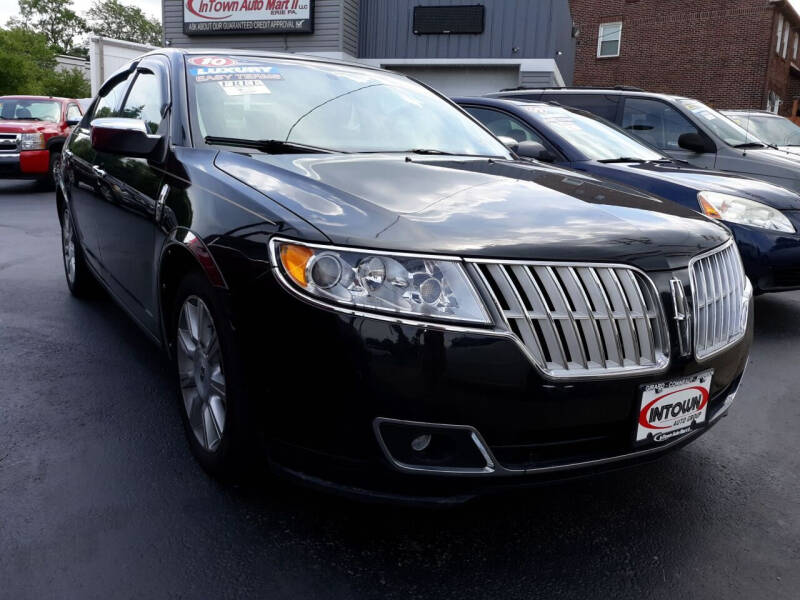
100	497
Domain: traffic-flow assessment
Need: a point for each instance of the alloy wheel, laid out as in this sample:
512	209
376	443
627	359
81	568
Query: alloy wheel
202	379
68	245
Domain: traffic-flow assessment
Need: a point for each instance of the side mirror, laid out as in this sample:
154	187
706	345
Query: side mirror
694	142
509	142
536	151
128	137
72	122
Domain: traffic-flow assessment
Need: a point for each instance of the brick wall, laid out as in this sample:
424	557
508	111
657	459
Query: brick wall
717	51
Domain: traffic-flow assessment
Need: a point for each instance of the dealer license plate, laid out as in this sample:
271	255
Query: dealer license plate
673	408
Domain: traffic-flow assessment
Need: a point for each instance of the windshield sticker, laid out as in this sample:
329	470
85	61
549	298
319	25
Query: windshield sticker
541	110
244	87
234	70
211	61
238	77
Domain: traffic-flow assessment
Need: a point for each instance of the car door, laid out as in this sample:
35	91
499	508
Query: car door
661	125
82	177
127	236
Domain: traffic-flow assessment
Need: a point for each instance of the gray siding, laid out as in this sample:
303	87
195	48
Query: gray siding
528	25
563	41
327	36
350	14
537	79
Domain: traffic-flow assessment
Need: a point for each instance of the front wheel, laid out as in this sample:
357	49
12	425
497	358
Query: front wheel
211	395
50	181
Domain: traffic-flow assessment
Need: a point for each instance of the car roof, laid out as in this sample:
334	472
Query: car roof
744	111
610	91
499	101
24	97
180	52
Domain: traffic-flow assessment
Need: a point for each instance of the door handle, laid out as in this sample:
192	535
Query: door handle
98	171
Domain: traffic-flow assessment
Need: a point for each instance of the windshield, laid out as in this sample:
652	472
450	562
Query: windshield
725	129
777	131
330	106
591	136
18	109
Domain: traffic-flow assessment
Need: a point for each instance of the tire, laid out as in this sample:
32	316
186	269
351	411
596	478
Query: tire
50	181
211	390
80	280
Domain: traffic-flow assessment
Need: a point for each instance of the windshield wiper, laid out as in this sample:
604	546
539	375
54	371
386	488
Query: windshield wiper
268	146
750	145
621	159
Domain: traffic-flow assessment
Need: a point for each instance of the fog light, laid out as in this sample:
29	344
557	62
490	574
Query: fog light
421	442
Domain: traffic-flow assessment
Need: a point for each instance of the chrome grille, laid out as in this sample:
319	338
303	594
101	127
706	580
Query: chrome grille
581	320
720	301
8	142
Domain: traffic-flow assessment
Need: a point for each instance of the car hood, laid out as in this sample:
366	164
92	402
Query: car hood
24	126
640	173
476	207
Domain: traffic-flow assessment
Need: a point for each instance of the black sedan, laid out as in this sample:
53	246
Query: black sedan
763	217
361	287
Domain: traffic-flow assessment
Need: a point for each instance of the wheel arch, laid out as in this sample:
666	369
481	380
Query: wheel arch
183	252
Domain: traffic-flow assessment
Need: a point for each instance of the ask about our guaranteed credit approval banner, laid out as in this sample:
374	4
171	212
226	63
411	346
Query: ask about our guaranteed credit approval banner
209	17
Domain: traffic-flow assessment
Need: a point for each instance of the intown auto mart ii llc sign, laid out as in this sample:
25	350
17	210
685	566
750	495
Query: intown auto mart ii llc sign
213	17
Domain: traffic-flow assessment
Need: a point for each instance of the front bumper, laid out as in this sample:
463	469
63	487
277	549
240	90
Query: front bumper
771	258
339	377
24	164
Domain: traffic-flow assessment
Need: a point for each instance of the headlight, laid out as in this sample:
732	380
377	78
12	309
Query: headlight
741	210
31	141
401	284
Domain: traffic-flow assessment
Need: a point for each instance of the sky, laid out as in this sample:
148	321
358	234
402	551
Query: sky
10	8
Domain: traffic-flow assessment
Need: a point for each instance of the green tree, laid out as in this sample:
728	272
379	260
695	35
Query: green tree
110	18
27	62
69	83
61	25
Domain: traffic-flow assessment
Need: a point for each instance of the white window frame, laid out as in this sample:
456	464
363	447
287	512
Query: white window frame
780	34
600	39
796	42
785	40
773	102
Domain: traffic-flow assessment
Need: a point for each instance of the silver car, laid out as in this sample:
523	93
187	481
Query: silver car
772	129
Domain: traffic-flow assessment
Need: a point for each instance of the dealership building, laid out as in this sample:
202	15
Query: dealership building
456	47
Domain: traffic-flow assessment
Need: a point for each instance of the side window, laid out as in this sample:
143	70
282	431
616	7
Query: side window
145	101
502	124
602	105
655	122
73	113
108	103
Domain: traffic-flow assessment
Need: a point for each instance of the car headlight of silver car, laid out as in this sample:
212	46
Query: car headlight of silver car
31	141
736	209
400	284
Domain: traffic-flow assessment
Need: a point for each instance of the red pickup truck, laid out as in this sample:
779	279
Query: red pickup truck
32	132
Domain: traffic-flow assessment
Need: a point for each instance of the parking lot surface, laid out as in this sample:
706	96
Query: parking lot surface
100	498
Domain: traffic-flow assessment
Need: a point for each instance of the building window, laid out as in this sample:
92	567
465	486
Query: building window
773	102
794	49
780	34
785	40
608	39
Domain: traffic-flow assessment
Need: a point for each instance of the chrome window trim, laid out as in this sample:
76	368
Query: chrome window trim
499	327
695	307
